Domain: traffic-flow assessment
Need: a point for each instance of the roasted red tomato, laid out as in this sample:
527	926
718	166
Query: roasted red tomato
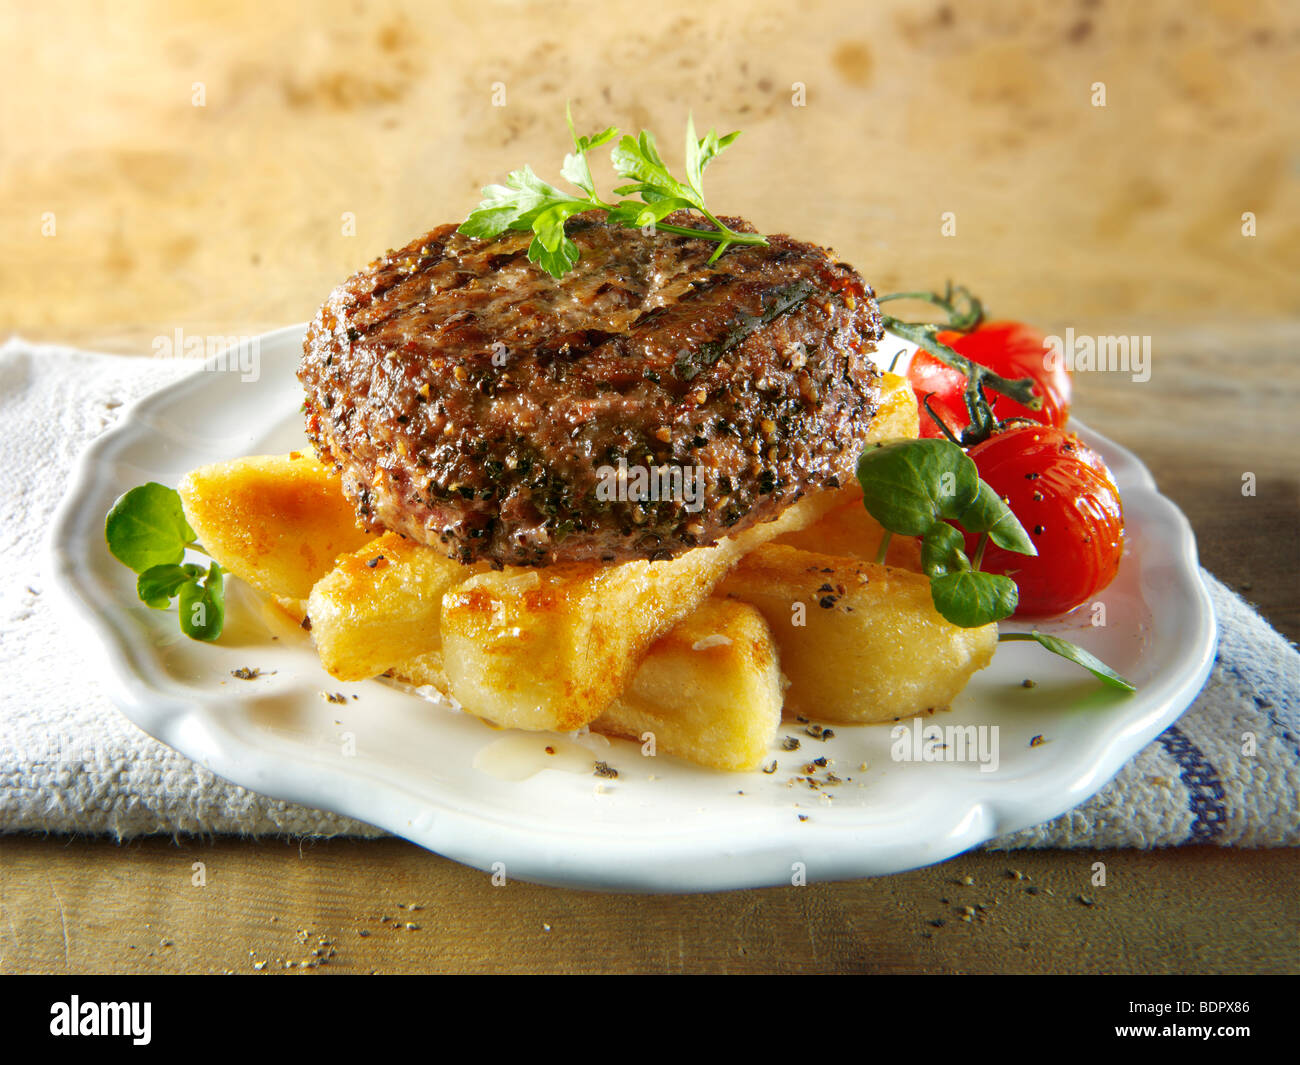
1011	350
1066	499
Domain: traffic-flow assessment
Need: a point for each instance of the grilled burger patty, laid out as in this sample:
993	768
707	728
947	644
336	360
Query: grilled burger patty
644	404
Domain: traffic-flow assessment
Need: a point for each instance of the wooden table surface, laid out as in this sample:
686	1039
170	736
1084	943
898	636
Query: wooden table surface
195	167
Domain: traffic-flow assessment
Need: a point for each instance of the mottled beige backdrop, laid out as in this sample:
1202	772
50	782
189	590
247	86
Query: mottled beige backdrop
230	217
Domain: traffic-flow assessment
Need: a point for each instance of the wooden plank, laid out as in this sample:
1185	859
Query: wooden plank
94	906
225	219
1221	403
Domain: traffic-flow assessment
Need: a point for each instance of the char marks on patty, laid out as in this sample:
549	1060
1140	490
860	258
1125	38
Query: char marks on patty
475	403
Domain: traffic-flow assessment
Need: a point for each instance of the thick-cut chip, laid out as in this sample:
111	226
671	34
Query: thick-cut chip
381	607
898	417
850	532
291	608
859	643
276	521
709	691
422	670
550	648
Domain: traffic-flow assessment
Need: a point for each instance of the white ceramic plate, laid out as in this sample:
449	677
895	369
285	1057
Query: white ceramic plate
396	761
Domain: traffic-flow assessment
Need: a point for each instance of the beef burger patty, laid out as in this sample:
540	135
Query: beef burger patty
644	404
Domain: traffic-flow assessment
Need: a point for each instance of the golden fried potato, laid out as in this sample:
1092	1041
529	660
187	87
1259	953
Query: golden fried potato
424	669
898	417
850	532
709	690
858	642
276	521
381	607
550	648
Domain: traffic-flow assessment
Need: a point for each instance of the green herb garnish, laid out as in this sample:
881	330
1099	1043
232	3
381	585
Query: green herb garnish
964	314
147	527
146	531
1074	653
526	202
927	488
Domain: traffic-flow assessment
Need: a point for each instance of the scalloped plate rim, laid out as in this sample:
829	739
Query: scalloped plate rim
697	860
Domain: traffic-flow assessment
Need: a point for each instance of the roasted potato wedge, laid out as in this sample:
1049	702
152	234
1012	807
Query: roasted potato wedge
709	690
423	669
381	607
850	532
859	643
897	417
550	648
276	521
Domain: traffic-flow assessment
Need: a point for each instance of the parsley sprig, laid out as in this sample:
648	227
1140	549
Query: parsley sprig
525	202
930	488
146	531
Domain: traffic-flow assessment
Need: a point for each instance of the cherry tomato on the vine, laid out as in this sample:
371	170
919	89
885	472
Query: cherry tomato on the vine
1011	350
1066	499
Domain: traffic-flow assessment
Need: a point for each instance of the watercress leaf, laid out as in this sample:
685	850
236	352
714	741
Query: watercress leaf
203	606
1075	654
158	585
987	513
908	485
970	598
942	551
147	527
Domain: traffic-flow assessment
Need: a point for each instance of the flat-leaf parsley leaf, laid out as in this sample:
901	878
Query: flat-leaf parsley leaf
527	203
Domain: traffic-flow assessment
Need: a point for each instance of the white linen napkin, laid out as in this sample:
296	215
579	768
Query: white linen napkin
70	763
